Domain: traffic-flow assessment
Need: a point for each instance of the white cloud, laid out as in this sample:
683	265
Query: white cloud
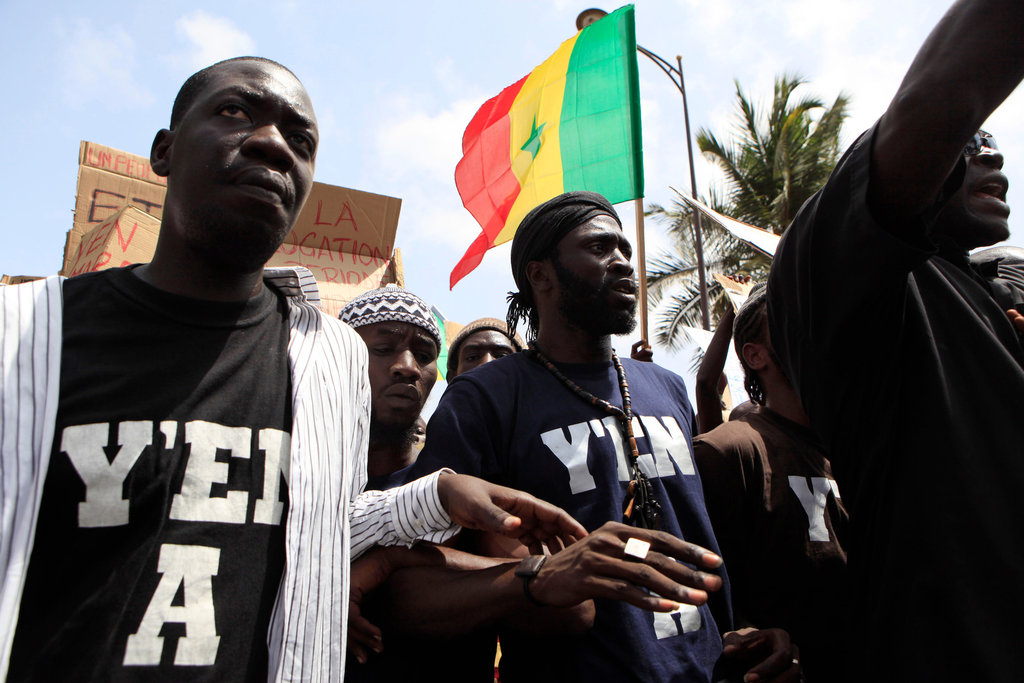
807	20
715	16
424	145
98	65
438	221
211	39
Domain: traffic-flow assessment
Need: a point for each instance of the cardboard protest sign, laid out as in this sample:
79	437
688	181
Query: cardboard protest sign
108	181
344	237
18	279
127	237
736	291
762	240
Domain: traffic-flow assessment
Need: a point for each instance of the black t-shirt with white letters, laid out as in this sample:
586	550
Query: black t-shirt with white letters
160	542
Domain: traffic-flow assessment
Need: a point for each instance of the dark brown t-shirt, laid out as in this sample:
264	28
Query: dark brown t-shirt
778	517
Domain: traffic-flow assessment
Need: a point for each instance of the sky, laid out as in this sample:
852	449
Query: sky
394	85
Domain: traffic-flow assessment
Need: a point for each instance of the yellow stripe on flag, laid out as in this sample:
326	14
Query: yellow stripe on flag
536	113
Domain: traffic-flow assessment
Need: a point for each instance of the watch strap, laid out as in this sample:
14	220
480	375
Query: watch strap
527	570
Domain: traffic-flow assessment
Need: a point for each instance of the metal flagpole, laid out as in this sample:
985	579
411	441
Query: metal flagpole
698	239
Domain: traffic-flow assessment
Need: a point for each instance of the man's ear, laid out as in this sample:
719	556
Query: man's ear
540	275
160	152
756	355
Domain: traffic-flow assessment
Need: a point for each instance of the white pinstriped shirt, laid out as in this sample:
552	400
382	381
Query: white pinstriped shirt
330	520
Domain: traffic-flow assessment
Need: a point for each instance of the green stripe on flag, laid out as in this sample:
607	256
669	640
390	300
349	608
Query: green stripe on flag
442	355
599	131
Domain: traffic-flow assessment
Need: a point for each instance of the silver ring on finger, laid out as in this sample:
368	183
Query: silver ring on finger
636	549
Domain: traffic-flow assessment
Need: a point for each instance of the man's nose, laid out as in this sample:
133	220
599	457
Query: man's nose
266	142
404	365
990	157
621	264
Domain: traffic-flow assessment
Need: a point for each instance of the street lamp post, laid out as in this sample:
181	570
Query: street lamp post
675	74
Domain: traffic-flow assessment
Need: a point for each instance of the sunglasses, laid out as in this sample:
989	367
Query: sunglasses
979	141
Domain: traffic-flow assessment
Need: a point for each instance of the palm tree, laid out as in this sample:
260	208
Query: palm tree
772	163
672	276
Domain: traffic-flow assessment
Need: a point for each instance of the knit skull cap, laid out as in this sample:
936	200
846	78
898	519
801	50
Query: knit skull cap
472	328
391	303
540	232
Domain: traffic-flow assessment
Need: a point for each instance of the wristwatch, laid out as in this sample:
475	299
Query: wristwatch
527	569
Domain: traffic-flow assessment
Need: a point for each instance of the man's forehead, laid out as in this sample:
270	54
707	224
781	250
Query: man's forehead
259	80
597	225
486	338
601	221
395	329
252	68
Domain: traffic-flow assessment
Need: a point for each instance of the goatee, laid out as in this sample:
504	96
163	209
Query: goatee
588	309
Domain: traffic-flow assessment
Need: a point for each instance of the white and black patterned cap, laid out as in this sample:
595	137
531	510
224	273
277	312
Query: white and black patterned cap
390	303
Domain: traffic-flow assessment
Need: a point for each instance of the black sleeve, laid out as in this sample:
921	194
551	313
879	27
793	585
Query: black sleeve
839	281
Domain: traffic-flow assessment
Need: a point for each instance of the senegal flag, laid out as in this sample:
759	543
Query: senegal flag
573	123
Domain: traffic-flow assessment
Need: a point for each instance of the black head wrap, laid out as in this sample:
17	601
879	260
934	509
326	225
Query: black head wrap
536	238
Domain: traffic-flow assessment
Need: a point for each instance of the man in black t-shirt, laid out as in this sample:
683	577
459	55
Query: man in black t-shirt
775	507
161	535
187	496
909	369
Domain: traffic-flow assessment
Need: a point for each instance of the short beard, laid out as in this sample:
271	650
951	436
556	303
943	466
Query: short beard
587	309
390	435
232	243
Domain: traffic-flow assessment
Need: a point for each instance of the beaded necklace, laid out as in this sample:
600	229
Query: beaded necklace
639	508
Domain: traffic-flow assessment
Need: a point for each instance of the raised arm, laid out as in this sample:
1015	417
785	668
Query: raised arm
970	63
707	395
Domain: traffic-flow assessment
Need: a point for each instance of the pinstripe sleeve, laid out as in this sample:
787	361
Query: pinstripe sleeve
400	516
30	346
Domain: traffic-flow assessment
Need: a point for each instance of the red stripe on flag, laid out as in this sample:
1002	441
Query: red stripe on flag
491	112
484	176
471	259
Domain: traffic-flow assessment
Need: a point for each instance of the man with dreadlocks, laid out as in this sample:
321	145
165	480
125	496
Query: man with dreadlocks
609	440
775	507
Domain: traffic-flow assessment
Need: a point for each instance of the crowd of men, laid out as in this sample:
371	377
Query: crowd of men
204	477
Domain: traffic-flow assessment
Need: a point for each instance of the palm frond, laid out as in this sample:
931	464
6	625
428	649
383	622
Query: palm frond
773	160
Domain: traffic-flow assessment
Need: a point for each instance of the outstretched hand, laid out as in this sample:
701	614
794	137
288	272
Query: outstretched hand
477	504
775	658
599	567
